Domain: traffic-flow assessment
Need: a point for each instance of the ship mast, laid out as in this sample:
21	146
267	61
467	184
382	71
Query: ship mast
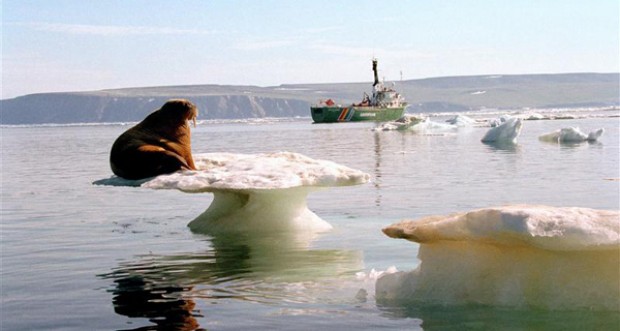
374	69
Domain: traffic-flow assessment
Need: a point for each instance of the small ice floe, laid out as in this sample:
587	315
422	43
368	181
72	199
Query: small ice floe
506	131
571	135
258	192
461	120
403	123
430	127
517	256
416	124
534	117
499	121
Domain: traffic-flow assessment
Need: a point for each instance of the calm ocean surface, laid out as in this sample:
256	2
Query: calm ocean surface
76	256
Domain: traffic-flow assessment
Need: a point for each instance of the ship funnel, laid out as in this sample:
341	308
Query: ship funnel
374	69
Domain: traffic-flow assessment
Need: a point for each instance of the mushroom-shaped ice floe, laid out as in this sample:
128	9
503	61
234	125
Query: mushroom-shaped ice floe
571	135
506	132
522	255
258	192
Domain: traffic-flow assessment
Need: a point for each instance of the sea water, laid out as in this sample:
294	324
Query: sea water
78	256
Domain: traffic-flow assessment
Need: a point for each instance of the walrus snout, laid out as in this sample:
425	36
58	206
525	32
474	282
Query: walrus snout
193	117
180	108
192	113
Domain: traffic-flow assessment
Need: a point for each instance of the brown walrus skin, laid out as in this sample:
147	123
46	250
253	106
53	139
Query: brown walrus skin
160	144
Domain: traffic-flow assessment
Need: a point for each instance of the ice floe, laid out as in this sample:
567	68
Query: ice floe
518	256
571	135
255	192
461	120
404	123
504	130
412	123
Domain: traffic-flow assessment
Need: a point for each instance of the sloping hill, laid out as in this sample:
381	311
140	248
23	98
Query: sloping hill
234	102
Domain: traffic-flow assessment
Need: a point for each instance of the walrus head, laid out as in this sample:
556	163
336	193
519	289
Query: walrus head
179	109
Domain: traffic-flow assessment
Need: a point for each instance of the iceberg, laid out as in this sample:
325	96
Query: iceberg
506	131
258	193
527	256
571	135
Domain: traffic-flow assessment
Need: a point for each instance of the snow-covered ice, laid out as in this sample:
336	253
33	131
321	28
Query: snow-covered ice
520	256
258	192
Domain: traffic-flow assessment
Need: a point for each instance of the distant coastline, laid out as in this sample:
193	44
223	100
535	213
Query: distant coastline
229	102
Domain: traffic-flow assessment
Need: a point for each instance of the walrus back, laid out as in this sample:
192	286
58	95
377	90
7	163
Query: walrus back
139	154
160	144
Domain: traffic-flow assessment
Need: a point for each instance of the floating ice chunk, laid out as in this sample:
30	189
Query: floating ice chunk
499	121
403	123
594	135
416	124
571	135
461	120
523	256
534	117
258	192
428	126
506	132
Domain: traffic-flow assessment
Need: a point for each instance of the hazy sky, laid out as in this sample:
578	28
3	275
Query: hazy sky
77	45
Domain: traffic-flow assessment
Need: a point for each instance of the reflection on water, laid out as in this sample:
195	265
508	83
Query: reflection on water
269	269
572	144
377	167
478	317
507	147
136	296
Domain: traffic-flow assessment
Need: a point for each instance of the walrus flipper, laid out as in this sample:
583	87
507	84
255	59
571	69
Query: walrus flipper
168	162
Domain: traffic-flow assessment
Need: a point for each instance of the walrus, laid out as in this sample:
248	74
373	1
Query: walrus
160	144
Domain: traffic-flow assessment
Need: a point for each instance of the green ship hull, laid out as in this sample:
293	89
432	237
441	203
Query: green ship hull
333	114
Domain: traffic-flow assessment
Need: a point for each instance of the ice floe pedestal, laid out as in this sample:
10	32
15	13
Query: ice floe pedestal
258	193
518	256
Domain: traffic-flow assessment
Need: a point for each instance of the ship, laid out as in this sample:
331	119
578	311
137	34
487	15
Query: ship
385	105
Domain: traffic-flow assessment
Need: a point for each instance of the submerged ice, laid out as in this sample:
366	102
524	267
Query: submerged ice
258	192
520	256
